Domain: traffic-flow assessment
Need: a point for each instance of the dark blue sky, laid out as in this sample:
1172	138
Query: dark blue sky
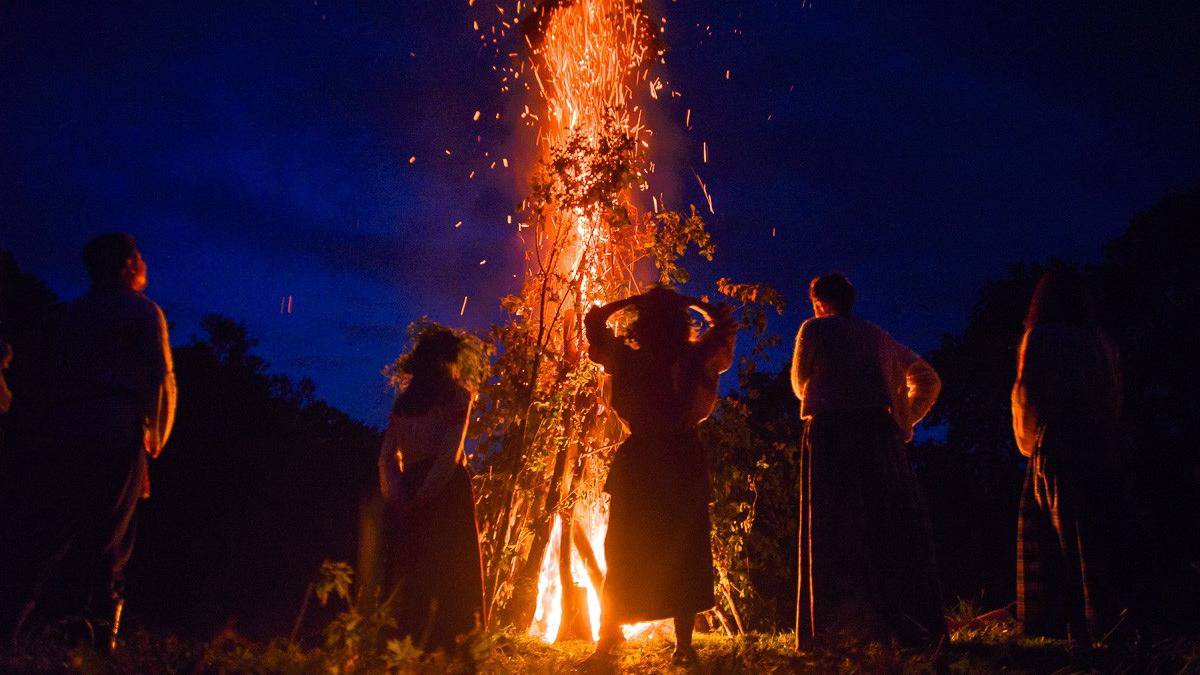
259	150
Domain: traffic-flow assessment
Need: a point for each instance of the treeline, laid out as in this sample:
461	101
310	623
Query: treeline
262	481
1148	289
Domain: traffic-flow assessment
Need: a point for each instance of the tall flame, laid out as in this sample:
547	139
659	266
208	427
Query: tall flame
590	56
584	63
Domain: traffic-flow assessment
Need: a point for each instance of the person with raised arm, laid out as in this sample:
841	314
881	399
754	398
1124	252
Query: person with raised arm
866	549
664	383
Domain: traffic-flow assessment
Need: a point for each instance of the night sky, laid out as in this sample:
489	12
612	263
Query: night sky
261	150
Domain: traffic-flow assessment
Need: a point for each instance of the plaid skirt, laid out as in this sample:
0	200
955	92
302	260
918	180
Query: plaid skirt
866	548
1065	549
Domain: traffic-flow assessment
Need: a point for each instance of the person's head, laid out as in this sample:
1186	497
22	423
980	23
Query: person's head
831	294
114	260
662	324
1061	296
442	362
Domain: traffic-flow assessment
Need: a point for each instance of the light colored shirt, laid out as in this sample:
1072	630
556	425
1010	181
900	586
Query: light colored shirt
845	363
114	360
436	436
1068	380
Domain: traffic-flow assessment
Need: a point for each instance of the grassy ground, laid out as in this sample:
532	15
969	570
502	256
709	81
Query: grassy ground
984	652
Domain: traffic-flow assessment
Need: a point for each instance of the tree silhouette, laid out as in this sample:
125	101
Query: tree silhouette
259	484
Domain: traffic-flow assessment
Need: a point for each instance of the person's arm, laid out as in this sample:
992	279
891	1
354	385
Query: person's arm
1024	411
161	417
6	356
602	342
391	463
924	385
717	343
915	385
447	461
801	363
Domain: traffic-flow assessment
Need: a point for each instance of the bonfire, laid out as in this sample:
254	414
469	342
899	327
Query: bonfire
592	234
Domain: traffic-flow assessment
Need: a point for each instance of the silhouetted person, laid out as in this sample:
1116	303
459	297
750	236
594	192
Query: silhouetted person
657	547
432	553
114	409
866	549
1066	405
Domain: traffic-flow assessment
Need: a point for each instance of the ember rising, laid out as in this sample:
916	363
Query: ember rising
585	65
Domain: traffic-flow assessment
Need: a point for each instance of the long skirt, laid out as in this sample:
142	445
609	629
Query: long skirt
658	548
1065	549
434	568
866	549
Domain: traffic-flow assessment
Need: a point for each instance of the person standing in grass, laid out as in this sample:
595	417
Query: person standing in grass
1066	405
658	547
866	548
434	568
114	409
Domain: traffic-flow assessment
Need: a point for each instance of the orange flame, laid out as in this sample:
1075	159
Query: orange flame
590	58
547	619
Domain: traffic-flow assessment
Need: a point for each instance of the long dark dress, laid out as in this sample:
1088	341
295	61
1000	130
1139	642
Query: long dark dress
433	561
866	560
658	545
866	548
1066	405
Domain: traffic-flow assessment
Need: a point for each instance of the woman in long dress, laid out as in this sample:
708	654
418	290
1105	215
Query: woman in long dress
658	548
1066	405
433	566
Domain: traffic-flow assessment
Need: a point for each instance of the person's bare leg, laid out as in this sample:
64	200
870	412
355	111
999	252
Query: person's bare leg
685	654
601	659
610	637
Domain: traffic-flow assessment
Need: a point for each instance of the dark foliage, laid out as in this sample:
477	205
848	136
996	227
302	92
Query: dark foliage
259	483
971	472
1149	297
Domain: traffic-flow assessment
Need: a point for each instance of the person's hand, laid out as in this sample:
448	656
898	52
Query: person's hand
6	355
598	312
618	305
150	442
713	313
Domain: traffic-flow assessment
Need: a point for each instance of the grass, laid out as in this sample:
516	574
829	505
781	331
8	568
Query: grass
991	650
